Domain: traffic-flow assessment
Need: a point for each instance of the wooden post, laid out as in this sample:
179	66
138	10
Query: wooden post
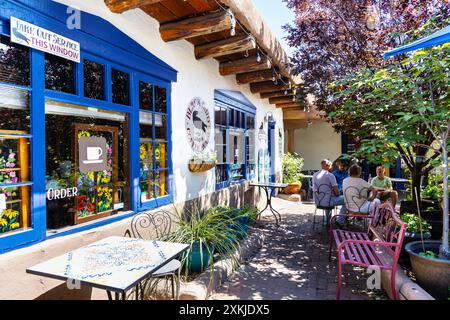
291	140
225	47
194	27
119	6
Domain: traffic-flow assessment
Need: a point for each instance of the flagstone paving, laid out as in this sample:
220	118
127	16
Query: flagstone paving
293	263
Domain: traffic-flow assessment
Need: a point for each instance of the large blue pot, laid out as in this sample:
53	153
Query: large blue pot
197	260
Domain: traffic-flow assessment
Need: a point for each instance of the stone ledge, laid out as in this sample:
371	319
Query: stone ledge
290	197
406	288
203	286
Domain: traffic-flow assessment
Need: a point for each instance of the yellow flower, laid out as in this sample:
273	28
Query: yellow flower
3	222
14	225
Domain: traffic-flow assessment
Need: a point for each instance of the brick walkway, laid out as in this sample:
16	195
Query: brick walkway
293	264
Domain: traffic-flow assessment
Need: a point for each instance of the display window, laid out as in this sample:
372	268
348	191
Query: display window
154	160
234	145
75	134
78	187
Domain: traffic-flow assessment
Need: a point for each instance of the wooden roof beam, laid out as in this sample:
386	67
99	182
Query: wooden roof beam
268	86
119	6
289	105
281	100
255	76
283	93
225	47
243	65
197	26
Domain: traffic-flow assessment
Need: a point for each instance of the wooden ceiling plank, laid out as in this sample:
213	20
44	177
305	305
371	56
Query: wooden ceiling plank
159	12
196	26
119	6
224	47
243	65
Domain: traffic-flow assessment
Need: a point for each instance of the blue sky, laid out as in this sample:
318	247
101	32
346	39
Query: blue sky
276	14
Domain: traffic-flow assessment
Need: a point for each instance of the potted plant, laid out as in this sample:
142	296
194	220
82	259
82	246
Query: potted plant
206	232
416	228
203	161
292	175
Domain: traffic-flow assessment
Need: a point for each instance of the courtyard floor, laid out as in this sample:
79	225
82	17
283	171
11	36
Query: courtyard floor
293	263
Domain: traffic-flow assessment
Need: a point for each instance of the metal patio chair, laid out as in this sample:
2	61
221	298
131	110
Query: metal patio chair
150	226
322	198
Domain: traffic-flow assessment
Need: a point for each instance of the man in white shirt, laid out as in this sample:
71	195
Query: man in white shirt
356	191
326	192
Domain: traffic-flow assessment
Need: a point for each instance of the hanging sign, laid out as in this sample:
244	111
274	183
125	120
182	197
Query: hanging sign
198	124
35	37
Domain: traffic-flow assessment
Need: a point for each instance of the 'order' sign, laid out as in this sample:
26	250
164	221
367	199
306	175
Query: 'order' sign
32	36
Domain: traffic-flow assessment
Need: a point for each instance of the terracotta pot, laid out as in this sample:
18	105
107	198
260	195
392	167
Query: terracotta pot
293	188
432	274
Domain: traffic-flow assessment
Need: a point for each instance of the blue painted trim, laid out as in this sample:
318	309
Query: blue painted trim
231	103
12	185
97	36
242	104
271	146
104	44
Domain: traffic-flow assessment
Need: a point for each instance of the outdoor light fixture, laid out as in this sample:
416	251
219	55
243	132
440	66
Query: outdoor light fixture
258	57
269	117
233	23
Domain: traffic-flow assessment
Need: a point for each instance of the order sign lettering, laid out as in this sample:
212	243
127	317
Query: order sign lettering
32	36
198	124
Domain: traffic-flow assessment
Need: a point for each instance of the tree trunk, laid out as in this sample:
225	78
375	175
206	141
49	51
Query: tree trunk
415	185
445	249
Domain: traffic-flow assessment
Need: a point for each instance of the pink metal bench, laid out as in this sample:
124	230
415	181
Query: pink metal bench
364	249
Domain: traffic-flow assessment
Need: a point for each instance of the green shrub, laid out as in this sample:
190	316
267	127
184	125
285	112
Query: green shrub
414	223
292	167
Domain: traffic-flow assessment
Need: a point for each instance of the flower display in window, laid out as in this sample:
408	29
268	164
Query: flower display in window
8	220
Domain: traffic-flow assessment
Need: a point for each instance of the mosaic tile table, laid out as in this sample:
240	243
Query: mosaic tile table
115	264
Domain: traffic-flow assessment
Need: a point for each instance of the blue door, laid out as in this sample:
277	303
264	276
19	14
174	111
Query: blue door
271	151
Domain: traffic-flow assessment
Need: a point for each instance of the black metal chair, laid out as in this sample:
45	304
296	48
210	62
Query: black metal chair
322	198
156	225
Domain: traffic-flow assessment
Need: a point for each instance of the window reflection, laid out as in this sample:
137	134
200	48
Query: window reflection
14	63
59	74
94	82
120	87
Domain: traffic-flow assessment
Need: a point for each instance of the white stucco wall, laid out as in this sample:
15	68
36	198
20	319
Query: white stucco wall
195	78
316	142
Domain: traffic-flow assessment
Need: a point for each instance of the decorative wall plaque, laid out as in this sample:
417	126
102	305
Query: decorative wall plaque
198	124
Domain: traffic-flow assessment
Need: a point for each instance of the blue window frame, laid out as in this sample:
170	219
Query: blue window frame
104	44
234	119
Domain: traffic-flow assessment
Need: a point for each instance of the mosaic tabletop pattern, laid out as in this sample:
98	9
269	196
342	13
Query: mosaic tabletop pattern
111	263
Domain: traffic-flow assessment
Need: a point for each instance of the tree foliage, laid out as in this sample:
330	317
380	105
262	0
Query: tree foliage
335	38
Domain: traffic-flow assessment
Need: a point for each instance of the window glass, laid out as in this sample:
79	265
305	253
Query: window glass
14	159
14	109
14	169
250	146
59	74
145	96
160	99
237	154
14	63
87	173
146	125
94	80
120	87
161	126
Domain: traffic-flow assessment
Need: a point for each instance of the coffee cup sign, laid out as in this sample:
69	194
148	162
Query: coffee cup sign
92	154
198	124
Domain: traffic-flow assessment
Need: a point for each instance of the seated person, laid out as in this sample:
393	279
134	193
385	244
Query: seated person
326	192
381	181
356	192
341	174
